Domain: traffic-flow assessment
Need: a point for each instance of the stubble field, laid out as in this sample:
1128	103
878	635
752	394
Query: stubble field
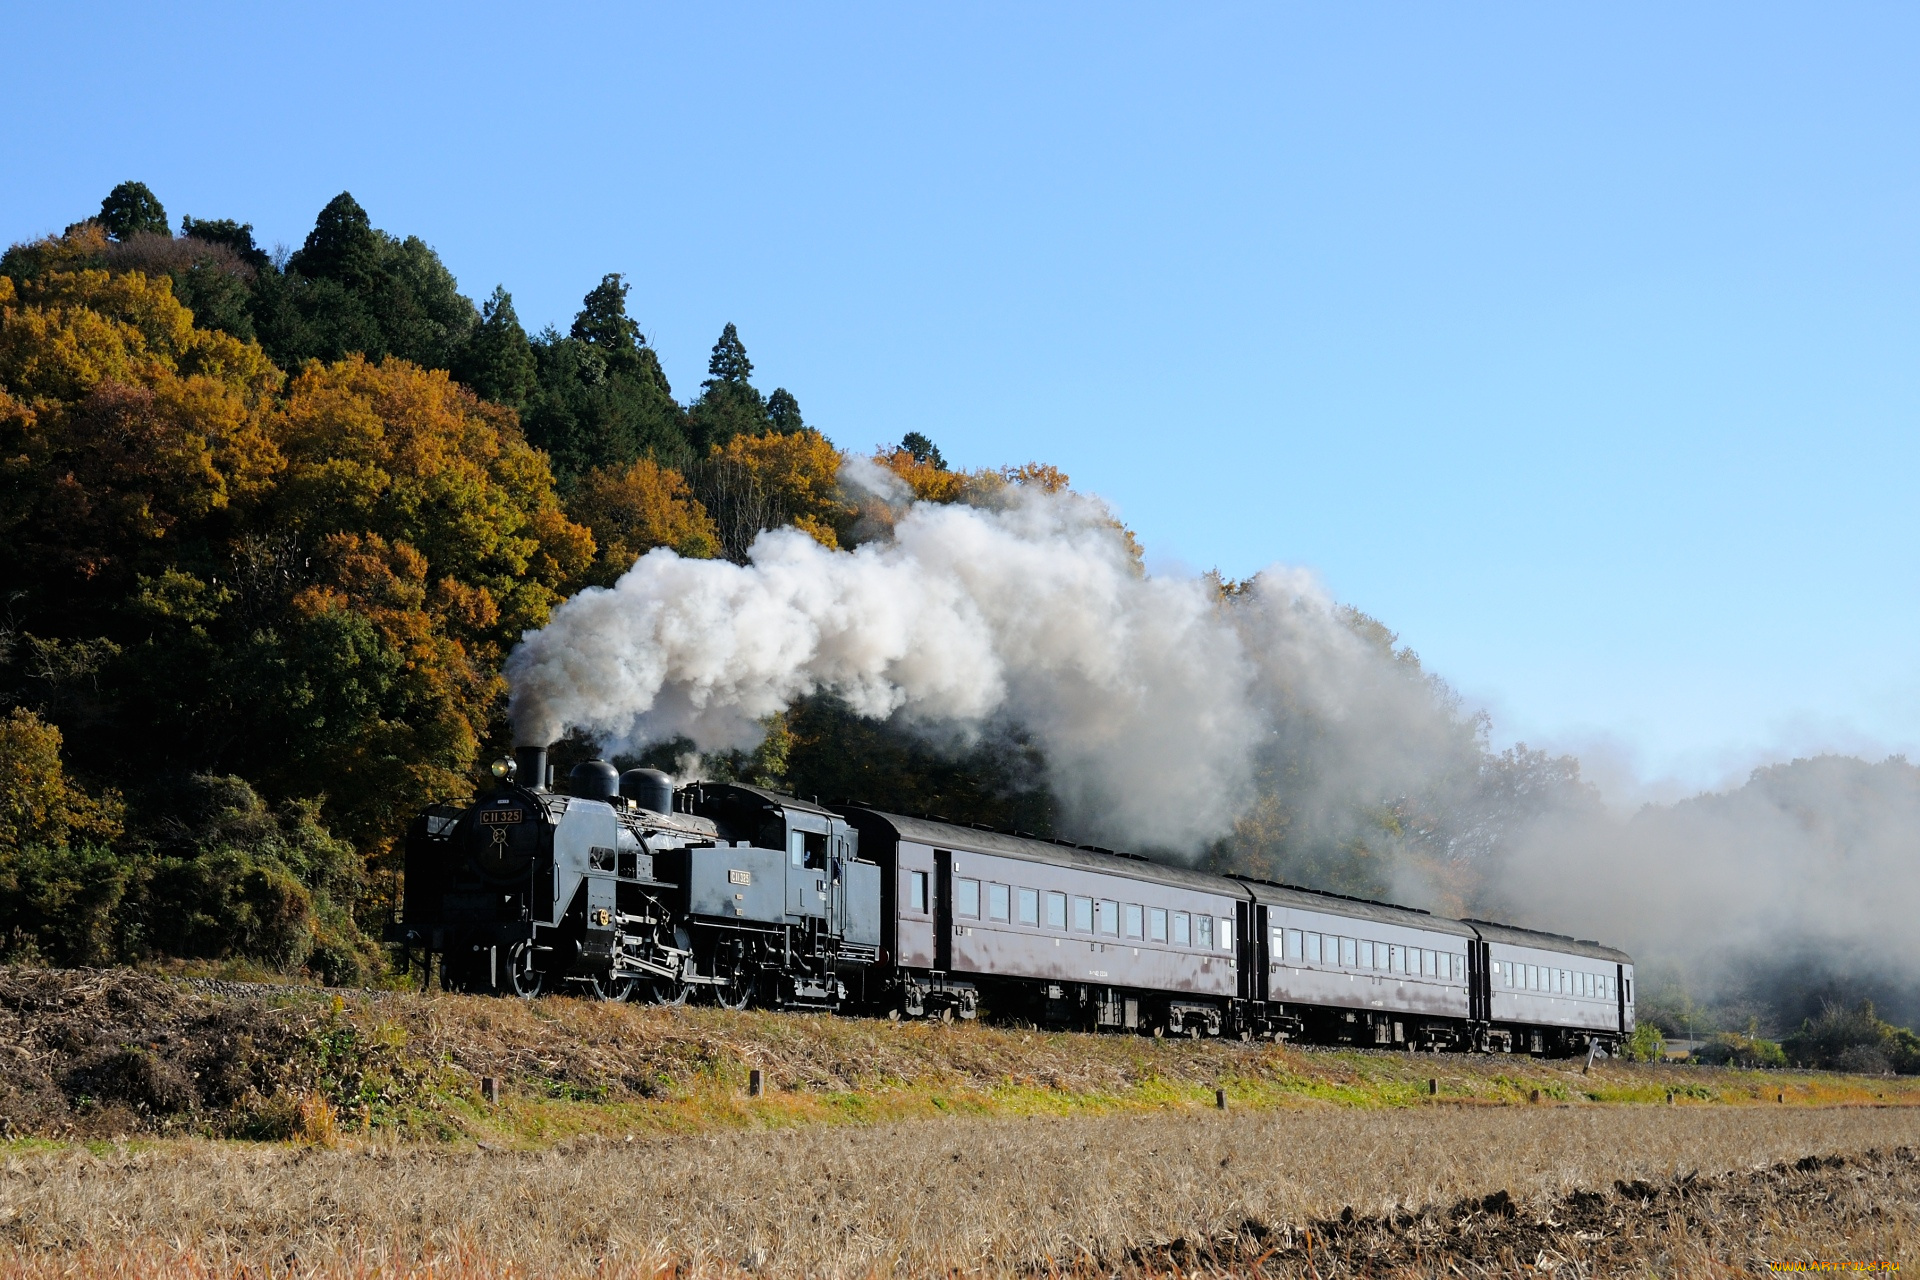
169	1128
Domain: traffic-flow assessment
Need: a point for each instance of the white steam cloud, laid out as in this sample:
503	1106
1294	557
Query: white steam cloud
1031	613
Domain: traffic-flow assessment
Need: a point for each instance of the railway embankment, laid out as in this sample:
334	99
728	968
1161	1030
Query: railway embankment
116	1054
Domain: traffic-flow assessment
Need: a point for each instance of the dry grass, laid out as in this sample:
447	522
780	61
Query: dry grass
1081	1195
111	1054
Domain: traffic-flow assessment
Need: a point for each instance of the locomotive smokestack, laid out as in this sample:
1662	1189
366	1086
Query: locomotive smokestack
530	767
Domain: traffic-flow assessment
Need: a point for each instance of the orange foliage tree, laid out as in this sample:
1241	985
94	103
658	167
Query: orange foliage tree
631	511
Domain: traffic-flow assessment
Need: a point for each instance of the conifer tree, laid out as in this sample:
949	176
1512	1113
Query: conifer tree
131	209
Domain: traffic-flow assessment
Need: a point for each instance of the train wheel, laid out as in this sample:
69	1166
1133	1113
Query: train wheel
668	991
525	980
737	994
618	988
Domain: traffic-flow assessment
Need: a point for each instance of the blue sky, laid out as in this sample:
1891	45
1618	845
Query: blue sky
1577	344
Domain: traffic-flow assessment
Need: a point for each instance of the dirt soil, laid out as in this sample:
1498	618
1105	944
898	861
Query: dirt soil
1859	1210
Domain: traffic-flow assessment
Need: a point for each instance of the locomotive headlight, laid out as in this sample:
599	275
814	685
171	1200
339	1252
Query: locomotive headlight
503	768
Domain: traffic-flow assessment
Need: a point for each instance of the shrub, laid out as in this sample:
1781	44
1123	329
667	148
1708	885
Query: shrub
1646	1044
1732	1049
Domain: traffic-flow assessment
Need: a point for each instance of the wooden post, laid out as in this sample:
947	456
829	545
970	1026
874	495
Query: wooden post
1433	1088
490	1090
756	1083
1220	1099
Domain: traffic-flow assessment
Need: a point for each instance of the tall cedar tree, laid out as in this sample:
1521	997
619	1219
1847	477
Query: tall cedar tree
600	399
729	405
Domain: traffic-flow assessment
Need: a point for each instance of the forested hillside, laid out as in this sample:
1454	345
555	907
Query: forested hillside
275	520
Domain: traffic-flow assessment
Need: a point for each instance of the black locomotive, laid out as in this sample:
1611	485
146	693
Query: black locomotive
625	887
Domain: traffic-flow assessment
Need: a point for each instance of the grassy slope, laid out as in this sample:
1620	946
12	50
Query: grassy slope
103	1054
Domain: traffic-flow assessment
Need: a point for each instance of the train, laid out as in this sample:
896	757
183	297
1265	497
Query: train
624	886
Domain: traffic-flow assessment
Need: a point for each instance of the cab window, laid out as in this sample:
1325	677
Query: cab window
916	891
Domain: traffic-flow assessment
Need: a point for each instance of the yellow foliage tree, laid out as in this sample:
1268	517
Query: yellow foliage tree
409	456
756	482
634	510
39	804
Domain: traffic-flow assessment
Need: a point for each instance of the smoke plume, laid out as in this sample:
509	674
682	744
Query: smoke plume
1155	701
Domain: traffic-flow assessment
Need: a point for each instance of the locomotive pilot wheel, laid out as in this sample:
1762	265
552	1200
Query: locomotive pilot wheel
525	980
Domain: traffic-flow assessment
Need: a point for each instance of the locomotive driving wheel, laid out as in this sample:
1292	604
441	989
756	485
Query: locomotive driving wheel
668	991
617	988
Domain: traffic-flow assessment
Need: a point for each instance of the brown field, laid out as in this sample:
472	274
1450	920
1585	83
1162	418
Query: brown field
1315	1191
157	1126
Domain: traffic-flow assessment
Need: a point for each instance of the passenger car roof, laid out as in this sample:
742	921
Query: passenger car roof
1339	904
1516	936
1053	853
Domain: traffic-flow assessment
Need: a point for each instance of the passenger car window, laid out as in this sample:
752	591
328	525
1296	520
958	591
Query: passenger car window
917	891
1083	914
1225	934
1313	948
1366	954
1429	964
1056	911
1206	932
1133	920
1182	929
1347	952
1109	916
997	901
1156	924
1293	944
969	898
1029	903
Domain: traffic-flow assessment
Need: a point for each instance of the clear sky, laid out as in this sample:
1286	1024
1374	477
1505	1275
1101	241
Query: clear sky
1577	343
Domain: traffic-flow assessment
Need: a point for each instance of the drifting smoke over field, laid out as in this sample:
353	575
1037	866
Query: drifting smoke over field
1156	703
1801	886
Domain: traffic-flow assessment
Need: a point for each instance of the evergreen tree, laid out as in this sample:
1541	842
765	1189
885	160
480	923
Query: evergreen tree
923	450
343	246
729	363
130	209
783	412
729	405
601	398
352	288
497	360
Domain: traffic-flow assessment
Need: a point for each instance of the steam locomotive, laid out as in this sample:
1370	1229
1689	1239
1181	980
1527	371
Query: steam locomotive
625	887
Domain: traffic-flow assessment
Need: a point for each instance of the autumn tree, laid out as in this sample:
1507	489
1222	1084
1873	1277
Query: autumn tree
633	511
758	482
